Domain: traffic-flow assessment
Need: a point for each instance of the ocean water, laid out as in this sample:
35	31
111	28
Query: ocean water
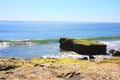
19	30
49	30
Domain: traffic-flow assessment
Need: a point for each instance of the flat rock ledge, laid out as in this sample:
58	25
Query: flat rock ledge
84	47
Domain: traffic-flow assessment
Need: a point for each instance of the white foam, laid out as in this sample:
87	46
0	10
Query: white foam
74	55
69	54
51	56
3	45
112	44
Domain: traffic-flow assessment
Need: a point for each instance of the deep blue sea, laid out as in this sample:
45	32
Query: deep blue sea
19	30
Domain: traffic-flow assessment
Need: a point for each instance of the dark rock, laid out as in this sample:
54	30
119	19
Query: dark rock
9	73
68	75
7	67
84	58
77	74
91	57
3	78
66	44
80	48
40	65
61	75
114	52
13	58
22	76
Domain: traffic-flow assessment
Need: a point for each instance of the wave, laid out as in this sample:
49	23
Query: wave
112	44
30	41
56	40
103	38
45	40
3	45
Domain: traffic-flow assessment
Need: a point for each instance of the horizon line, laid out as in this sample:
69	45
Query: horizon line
58	21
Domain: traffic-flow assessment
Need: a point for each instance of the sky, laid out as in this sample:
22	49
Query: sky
60	10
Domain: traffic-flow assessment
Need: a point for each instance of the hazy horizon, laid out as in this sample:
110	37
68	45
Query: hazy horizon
57	21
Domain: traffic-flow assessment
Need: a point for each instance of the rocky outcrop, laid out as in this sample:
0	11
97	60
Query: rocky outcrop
83	47
114	52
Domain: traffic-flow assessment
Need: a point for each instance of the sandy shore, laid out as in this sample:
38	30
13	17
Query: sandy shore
59	69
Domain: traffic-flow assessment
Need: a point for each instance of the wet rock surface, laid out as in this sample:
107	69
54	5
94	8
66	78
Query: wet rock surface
114	52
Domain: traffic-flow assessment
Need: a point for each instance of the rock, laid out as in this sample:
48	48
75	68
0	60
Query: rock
20	71
3	78
7	67
66	44
84	47
84	58
34	71
114	52
91	57
61	75
68	75
40	65
8	72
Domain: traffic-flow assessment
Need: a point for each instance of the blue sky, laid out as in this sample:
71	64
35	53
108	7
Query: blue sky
60	10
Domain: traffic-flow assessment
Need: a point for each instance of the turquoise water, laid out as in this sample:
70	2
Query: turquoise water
49	30
27	51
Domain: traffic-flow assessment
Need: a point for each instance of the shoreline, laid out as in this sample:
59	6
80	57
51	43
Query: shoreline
65	67
110	45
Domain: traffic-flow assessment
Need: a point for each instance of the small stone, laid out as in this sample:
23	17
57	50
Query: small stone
20	70
2	78
77	73
109	78
61	75
40	65
34	71
9	73
84	58
69	75
13	58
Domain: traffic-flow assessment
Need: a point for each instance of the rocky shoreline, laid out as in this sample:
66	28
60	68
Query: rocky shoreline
59	69
67	67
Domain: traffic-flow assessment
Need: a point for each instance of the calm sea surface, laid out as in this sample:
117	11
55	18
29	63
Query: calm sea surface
49	30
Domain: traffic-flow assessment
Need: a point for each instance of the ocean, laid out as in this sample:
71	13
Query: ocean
35	30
